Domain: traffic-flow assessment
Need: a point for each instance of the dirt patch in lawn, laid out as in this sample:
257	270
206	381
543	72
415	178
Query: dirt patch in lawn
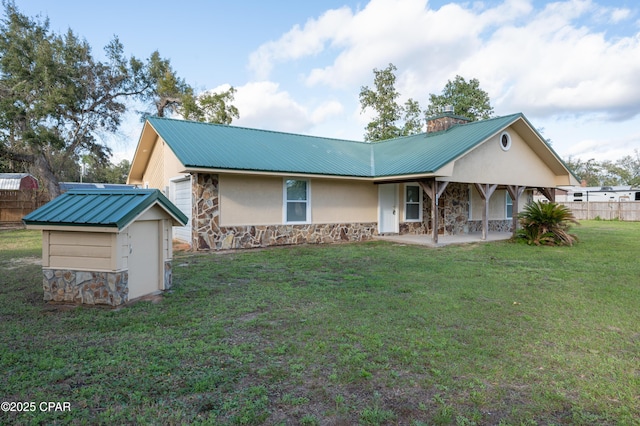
22	261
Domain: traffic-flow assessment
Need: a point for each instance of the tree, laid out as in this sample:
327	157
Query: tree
588	171
383	100
171	94
412	118
211	107
55	98
466	97
166	90
102	172
628	169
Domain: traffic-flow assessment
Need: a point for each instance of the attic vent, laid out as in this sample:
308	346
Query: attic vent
505	141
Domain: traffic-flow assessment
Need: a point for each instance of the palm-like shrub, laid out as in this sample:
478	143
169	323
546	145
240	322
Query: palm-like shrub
546	224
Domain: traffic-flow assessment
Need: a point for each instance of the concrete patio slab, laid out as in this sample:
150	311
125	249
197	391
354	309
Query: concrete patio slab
445	240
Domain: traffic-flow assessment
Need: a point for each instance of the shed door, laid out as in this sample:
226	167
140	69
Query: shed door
144	258
388	208
181	196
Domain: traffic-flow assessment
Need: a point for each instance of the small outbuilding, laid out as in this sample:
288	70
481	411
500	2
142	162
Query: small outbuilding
106	246
19	195
17	182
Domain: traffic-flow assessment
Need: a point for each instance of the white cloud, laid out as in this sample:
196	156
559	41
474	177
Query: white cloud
326	111
264	105
299	42
543	61
559	62
619	15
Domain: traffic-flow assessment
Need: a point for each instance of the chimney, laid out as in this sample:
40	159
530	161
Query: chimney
445	120
583	183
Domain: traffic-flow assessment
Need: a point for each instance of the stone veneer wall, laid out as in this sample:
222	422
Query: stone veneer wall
91	288
505	225
453	208
210	235
454	213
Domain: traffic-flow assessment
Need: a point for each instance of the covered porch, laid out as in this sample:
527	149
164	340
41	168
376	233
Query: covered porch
434	189
451	212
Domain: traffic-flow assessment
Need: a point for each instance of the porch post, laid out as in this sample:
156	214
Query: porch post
434	190
515	191
486	191
549	193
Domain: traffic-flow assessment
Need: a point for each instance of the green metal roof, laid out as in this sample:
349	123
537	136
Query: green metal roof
214	146
229	147
115	208
428	152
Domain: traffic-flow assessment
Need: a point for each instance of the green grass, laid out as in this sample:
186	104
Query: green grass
370	333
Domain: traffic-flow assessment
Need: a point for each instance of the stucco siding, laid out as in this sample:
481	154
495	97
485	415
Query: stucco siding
497	204
337	201
489	163
250	200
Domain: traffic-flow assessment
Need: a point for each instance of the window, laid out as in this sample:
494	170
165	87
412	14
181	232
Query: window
509	206
296	200
505	141
412	203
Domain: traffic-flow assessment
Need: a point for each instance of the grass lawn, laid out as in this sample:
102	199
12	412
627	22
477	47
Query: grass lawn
368	333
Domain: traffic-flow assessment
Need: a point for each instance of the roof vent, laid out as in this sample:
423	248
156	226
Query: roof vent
448	109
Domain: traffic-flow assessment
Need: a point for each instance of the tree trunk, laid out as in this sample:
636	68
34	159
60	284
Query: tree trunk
43	170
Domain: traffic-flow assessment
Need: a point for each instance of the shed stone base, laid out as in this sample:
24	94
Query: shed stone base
82	287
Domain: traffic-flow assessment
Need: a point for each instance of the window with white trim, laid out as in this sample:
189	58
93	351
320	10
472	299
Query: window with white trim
412	203
296	201
508	206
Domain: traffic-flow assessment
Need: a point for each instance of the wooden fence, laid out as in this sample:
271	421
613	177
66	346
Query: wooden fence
606	210
14	205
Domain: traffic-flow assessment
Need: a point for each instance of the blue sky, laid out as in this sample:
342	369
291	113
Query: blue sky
571	66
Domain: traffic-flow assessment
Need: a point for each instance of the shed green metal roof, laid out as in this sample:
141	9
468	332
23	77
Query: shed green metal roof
115	208
214	146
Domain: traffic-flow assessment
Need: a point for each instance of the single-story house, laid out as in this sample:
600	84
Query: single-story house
106	246
244	188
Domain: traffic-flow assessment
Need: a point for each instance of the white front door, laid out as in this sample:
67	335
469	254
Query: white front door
388	208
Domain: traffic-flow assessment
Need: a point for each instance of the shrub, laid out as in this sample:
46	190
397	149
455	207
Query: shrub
546	224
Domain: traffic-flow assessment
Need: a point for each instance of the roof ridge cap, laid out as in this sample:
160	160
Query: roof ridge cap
254	129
